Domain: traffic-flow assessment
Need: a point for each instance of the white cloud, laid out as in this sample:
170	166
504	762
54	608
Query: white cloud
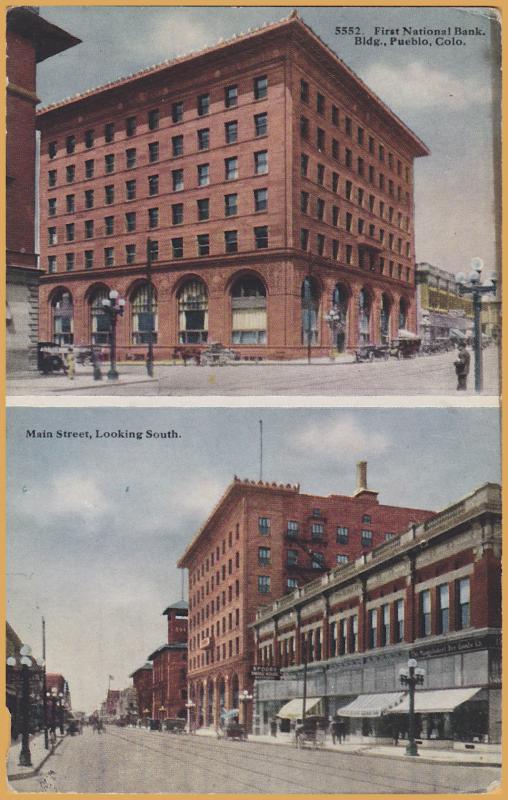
421	86
67	494
341	437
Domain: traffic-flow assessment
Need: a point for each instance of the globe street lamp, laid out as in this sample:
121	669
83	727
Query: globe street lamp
25	757
411	677
472	286
334	320
114	308
244	698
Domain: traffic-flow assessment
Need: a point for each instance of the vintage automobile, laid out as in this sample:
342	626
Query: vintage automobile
174	725
404	348
311	731
216	355
234	730
50	357
369	352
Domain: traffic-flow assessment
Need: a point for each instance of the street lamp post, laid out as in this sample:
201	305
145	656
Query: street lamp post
146	712
114	308
333	318
61	712
149	355
25	757
472	286
189	705
244	697
411	677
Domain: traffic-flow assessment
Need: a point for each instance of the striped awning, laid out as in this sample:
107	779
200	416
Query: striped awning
371	705
294	709
437	701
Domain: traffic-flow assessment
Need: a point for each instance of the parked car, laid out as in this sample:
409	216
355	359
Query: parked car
404	348
311	731
369	352
50	357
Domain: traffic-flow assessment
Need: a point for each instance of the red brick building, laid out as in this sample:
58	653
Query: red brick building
274	186
30	40
432	594
169	686
142	680
261	541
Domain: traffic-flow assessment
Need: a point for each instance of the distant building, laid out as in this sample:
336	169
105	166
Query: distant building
142	680
442	310
169	688
432	594
260	541
275	187
127	706
491	317
30	40
111	703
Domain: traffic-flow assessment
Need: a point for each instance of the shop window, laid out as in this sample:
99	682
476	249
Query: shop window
193	312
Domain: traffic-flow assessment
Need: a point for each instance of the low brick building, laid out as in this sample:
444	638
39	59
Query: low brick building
274	186
142	681
260	541
169	673
432	594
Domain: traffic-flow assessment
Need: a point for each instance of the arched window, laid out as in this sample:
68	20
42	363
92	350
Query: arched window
384	318
364	317
63	317
310	297
248	304
100	321
193	313
403	313
144	315
340	303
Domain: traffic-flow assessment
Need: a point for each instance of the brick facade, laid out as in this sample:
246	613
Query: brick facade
159	169
258	542
169	674
142	682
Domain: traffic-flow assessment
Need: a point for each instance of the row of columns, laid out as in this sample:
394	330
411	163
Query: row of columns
208	699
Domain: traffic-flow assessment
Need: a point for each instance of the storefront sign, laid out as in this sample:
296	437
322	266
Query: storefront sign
259	671
462	646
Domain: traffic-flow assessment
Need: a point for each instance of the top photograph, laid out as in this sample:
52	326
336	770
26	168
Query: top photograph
253	201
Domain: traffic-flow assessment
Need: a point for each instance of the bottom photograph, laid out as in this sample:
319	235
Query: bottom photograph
253	601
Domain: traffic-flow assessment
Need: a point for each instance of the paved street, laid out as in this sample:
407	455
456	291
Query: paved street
433	375
131	760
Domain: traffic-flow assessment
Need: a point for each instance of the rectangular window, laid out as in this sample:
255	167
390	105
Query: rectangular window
463	602
264	558
360	166
203	174
231	241
372	627
154	250
177	247
366	538
109	257
153	119
109	226
203	209
130	190
89	198
203	244
109	132
263	584
292	583
292	528
348	157
320	103
177	146
318	560
320	209
261	237
342	558
230	205
177	111
70	173
261	124
130	253
69	232
153	185
361	136
153	217
349	221
52	149
203	105
264	525
320	140
304	165
69	261
231	131
130	157
70	145
372	174
425	613
153	152
304	202
317	530
109	163
321	174
89	138
109	195
89	168
304	239
52	236
304	127
292	558
361	195
52	177
204	139
231	168
260	199
399	621
349	190
443	599
335	249
177	214
304	91
260	87
88	259
385	625
261	162
51	206
335	149
130	126
335	215
320	244
231	96
89	226
177	180
342	536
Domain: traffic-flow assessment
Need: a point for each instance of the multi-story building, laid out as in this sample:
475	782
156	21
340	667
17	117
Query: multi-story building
442	310
142	681
169	686
260	541
127	707
432	594
30	40
271	183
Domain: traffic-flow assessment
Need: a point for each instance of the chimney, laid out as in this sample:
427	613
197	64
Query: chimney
361	476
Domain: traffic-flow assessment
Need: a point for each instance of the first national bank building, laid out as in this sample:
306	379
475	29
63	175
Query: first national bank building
270	185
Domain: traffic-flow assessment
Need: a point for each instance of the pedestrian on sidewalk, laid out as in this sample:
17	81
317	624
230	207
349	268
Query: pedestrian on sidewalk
462	367
70	364
395	732
335	729
273	726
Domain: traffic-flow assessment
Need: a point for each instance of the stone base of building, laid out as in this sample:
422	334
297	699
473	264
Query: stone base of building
22	319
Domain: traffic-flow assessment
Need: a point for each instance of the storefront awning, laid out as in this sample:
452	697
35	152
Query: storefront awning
294	709
371	705
437	701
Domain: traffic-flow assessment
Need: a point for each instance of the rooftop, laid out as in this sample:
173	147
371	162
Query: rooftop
48	39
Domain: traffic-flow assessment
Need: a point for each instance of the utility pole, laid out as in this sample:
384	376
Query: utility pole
44	686
149	355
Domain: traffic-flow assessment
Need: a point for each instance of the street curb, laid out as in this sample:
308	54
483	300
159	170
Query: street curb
97	384
18	776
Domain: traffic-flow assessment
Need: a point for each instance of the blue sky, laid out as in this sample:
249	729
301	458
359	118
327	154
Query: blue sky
442	93
95	526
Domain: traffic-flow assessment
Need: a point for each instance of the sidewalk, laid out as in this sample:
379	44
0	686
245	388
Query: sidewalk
452	757
35	383
39	756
